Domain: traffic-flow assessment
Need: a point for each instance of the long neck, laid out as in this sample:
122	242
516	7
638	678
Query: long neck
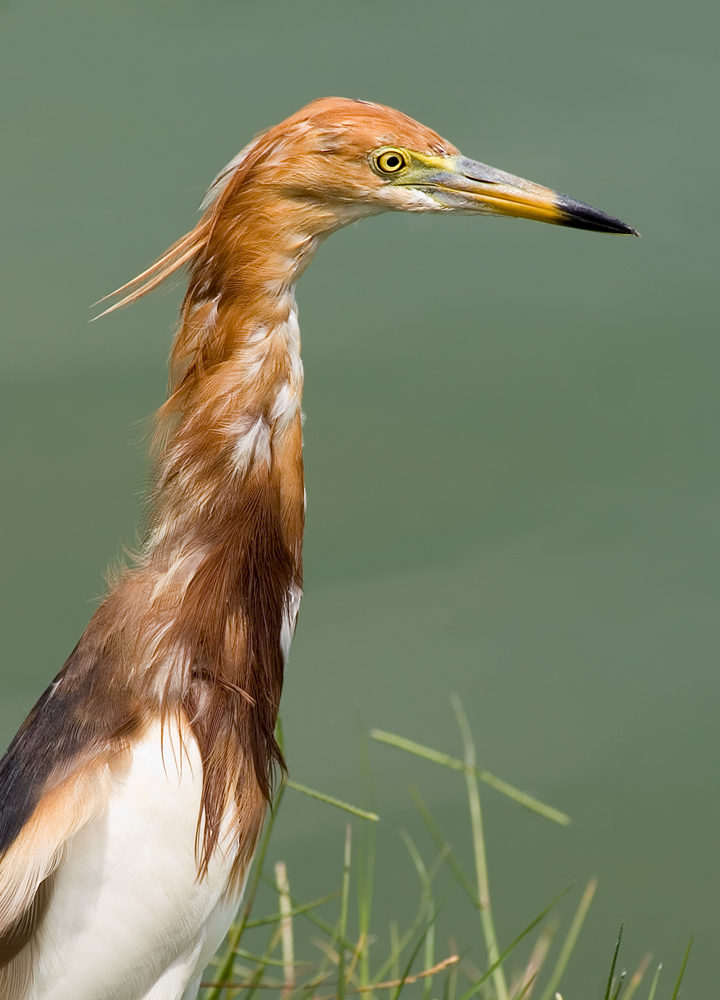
224	547
203	623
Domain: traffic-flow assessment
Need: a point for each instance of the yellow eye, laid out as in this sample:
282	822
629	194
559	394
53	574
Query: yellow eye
390	161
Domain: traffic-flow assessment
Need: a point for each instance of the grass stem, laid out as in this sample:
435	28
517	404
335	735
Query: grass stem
478	836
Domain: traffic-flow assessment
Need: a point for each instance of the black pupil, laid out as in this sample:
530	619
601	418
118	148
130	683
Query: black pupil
393	161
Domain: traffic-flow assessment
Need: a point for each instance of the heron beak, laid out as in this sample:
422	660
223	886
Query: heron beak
466	185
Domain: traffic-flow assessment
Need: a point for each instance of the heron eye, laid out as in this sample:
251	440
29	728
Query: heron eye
390	161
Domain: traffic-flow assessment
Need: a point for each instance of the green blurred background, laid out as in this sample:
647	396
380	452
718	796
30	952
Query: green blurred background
511	443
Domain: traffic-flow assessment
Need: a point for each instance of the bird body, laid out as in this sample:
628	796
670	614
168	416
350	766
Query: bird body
147	922
133	796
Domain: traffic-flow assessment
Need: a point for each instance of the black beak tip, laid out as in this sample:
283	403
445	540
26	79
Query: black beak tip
578	215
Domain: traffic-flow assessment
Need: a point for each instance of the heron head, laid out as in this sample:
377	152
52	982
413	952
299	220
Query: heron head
354	158
333	162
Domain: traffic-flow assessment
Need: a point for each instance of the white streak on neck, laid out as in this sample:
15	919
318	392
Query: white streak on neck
253	432
285	408
290	620
252	444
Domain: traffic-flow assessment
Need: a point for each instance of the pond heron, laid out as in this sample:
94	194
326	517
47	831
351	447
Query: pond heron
133	796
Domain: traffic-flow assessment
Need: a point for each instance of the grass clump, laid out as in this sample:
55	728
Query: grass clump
261	957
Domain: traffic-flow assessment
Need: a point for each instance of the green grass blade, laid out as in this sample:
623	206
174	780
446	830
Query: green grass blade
527	987
249	956
414	954
429	960
613	964
522	798
426	883
478	984
327	929
260	971
452	862
653	984
418	862
365	876
450	986
294	912
569	943
329	800
621	980
391	965
254	982
478	837
682	968
399	944
365	852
